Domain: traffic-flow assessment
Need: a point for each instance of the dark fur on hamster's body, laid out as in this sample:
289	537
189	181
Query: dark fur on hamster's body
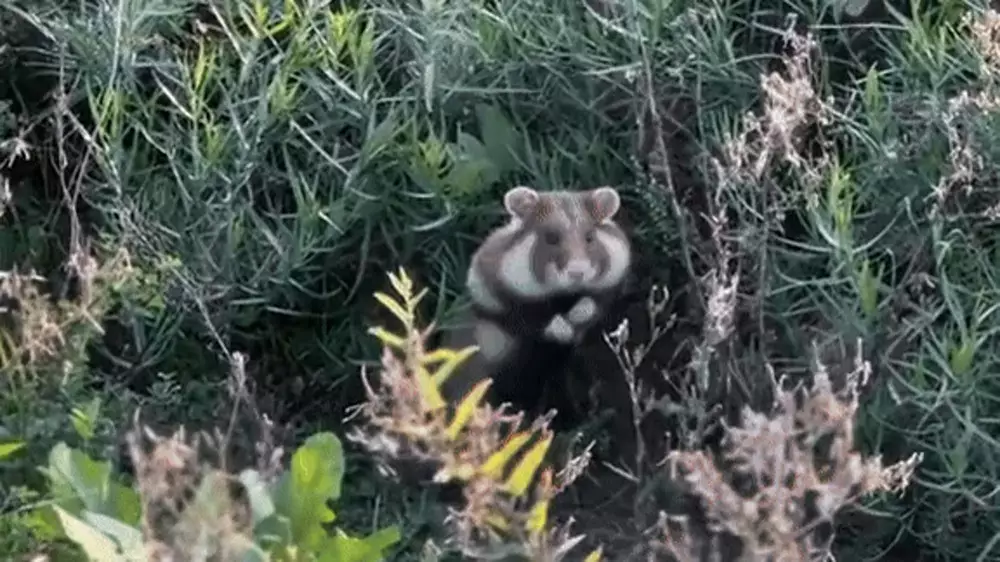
539	362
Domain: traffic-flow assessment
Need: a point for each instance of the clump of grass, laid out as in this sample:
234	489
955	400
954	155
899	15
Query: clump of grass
405	417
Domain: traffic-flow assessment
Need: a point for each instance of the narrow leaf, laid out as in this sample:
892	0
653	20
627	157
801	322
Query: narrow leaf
394	307
493	467
9	448
525	470
538	517
451	364
428	390
388	338
498	521
402	283
467	407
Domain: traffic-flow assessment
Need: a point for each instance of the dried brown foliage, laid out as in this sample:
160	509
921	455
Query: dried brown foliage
801	468
507	497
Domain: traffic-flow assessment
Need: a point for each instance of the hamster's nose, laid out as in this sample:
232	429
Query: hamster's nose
576	270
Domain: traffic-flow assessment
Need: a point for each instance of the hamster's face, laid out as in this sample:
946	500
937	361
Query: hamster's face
569	236
567	248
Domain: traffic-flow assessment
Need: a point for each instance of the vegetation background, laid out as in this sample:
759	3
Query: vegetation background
198	200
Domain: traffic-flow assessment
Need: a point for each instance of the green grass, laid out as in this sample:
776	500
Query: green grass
263	164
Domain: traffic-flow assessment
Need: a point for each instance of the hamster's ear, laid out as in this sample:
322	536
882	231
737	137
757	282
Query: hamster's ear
520	201
604	203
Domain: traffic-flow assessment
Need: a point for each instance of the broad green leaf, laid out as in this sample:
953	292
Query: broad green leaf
75	476
467	176
254	553
344	548
379	137
125	502
276	529
314	478
128	537
97	546
868	282
260	497
469	148
76	481
384	538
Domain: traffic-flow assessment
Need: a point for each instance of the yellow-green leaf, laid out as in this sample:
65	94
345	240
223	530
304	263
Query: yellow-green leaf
394	307
452	363
868	281
402	283
525	470
437	356
203	66
498	521
595	556
493	467
9	448
538	517
428	390
467	407
415	299
96	545
388	338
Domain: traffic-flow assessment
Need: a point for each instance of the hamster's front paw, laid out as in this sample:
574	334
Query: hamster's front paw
583	311
494	343
560	330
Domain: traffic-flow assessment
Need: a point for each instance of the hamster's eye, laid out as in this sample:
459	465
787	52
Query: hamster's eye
552	237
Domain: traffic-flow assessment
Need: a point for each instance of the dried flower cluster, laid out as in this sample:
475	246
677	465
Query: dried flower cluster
473	444
801	467
790	105
35	328
193	506
959	119
189	510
